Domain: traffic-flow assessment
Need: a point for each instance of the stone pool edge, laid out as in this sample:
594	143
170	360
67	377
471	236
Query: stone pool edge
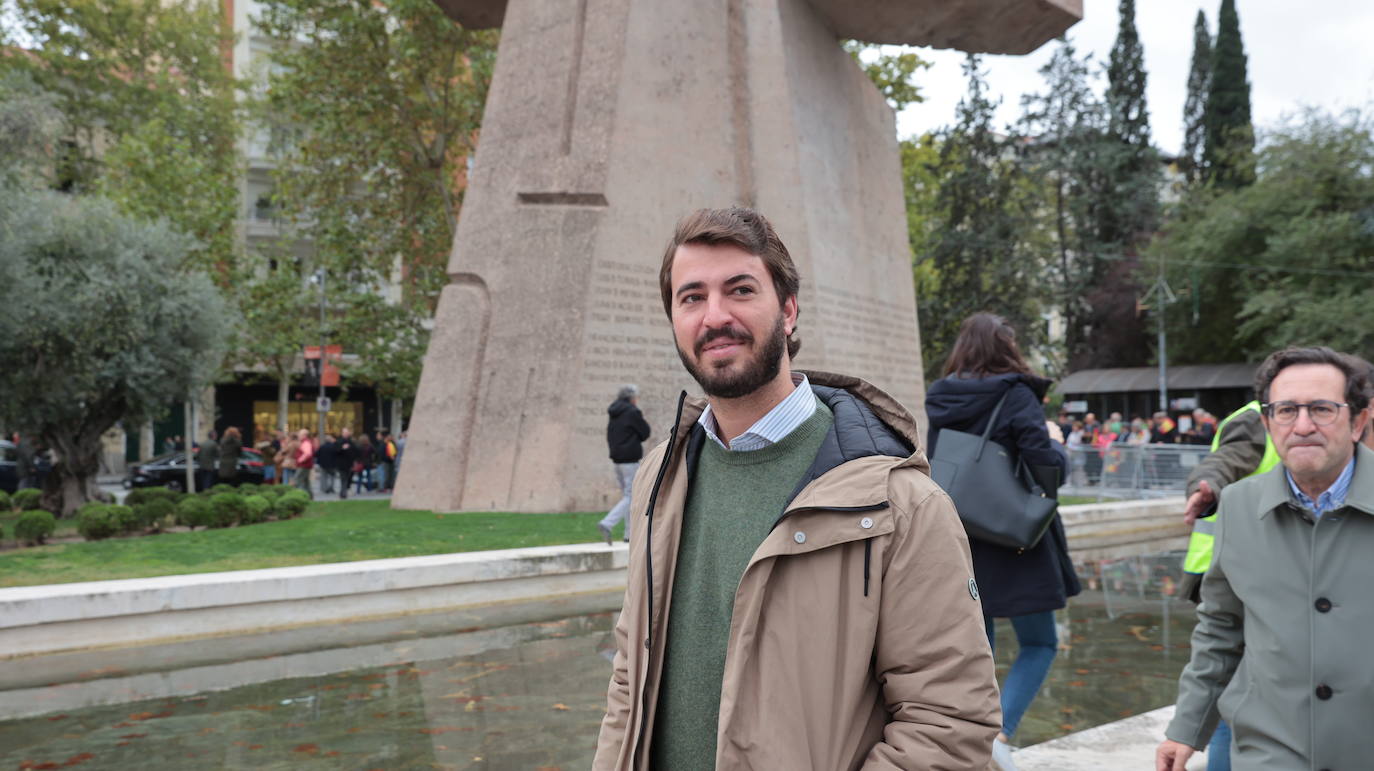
57	618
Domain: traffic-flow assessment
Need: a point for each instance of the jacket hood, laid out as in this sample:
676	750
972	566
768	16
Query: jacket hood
955	400
618	407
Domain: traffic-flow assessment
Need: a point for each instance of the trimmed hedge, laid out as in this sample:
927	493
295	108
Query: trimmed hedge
5	503
292	504
194	512
95	521
227	509
141	495
125	518
255	509
155	514
27	499
35	527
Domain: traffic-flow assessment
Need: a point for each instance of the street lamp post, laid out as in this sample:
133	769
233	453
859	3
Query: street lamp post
319	435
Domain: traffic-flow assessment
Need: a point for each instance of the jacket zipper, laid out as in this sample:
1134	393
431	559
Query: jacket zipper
649	574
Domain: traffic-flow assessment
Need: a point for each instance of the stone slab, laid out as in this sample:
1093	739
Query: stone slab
60	617
978	26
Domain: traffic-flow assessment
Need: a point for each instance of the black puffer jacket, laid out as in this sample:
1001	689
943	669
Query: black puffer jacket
626	432
1041	578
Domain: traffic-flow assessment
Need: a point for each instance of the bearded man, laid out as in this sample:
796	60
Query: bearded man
800	592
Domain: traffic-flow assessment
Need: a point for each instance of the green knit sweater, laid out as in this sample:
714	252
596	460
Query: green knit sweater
735	498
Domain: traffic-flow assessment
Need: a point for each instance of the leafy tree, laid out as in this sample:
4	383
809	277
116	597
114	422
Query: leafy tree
978	241
893	74
1230	137
30	124
98	322
280	317
1195	106
1286	260
149	106
382	102
1069	123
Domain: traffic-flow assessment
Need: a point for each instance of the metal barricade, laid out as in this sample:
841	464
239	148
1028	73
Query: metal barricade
1129	471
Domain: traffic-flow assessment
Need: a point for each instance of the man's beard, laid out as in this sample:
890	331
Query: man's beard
757	372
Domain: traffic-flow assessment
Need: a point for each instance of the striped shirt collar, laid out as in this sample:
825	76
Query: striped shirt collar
1332	498
780	421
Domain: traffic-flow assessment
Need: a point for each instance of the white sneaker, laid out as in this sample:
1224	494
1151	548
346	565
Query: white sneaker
1001	756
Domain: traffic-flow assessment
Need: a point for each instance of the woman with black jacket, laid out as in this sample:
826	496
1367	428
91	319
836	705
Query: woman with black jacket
1026	587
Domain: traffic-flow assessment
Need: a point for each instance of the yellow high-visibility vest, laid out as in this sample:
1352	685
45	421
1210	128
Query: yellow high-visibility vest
1204	530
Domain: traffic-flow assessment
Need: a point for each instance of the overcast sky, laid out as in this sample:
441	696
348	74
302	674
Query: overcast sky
1319	54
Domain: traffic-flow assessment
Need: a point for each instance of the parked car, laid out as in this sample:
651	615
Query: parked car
9	466
169	470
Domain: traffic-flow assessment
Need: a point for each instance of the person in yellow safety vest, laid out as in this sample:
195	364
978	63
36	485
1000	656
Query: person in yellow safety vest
1241	448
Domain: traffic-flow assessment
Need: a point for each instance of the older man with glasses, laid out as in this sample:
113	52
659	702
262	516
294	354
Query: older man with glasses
1288	601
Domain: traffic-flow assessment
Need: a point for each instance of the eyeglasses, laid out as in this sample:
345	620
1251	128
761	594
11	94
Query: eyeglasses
1322	411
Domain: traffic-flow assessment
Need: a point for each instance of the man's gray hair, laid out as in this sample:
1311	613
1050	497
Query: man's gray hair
628	391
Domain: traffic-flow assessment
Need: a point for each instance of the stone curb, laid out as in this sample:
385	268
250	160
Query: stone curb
61	617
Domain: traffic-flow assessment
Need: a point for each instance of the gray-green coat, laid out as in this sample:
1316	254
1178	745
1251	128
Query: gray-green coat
1281	645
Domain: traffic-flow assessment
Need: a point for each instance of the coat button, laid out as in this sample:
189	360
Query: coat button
1323	692
799	537
1323	604
866	523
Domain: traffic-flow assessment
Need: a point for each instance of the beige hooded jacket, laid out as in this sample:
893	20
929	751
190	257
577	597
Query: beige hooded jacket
857	637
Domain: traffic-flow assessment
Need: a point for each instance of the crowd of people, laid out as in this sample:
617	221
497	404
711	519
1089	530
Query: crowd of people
297	458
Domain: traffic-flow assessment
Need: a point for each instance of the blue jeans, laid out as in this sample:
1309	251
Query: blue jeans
1219	749
624	477
1037	642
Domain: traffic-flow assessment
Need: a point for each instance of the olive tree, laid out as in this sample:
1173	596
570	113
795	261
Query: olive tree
100	321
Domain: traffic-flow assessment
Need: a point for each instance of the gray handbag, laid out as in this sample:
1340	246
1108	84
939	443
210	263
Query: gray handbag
998	497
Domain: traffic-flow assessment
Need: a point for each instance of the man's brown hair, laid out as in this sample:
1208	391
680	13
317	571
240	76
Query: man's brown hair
1356	371
746	229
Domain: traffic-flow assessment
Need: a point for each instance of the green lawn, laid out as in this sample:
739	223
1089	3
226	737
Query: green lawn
333	531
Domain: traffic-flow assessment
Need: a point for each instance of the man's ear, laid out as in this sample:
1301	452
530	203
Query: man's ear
789	315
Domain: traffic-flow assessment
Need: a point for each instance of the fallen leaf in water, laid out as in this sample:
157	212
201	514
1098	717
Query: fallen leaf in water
445	729
561	707
1066	726
332	754
1138	632
58	717
133	736
1077	683
141	716
1156	647
1068	710
122	744
77	760
1082	671
255	746
308	749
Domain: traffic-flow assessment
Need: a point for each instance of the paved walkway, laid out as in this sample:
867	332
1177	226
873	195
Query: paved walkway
1126	745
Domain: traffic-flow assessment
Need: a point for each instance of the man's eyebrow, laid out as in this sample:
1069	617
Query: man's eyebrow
741	277
689	286
736	279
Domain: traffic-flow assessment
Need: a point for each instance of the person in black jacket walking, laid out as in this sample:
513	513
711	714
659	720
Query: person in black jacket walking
1026	587
625	435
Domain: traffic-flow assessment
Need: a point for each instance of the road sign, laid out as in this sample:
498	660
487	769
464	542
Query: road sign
323	404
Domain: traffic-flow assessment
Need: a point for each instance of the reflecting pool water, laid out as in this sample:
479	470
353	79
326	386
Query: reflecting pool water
510	688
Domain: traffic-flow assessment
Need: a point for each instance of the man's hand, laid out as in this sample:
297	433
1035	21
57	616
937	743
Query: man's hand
1172	756
1198	502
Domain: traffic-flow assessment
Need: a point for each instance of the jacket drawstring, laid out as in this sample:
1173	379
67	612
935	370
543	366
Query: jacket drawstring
649	565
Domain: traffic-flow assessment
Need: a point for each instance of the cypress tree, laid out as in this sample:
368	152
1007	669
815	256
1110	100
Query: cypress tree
1129	115
1229	153
1199	81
